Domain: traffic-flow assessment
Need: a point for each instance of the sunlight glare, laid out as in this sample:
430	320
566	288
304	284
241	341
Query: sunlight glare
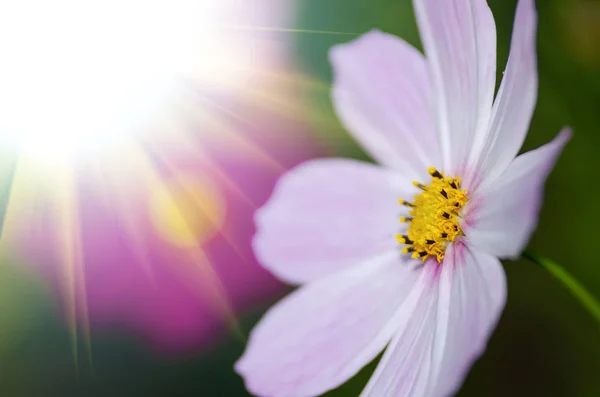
188	212
82	75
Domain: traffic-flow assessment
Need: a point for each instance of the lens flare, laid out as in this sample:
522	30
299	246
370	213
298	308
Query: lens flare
188	211
138	138
79	76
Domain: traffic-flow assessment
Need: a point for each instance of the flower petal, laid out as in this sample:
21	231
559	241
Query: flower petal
321	335
459	37
515	102
405	367
382	93
432	353
502	217
327	215
472	297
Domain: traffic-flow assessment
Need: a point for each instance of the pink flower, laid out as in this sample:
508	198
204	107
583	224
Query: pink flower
332	226
152	234
169	260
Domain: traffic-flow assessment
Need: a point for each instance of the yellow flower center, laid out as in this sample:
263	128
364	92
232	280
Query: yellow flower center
434	217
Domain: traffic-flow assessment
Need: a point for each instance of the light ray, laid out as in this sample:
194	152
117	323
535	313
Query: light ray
216	288
258	28
66	204
211	169
108	129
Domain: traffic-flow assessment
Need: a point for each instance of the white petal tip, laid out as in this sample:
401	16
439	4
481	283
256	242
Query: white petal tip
339	51
566	133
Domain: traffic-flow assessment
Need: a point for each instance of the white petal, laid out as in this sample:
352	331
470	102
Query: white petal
501	218
382	94
434	350
472	297
514	103
327	215
459	37
405	367
324	333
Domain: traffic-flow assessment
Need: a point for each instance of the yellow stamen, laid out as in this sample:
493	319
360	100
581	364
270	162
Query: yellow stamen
435	215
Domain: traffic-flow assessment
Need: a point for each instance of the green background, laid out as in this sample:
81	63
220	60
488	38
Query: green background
545	343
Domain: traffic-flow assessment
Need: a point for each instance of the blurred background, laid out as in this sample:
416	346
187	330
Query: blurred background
139	137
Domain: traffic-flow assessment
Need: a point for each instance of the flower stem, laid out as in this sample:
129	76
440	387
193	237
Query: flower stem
585	298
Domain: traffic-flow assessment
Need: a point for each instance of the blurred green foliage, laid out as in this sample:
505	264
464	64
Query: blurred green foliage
545	344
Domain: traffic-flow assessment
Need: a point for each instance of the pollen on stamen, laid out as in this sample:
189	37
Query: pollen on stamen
419	185
434	173
403	239
406	203
433	221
